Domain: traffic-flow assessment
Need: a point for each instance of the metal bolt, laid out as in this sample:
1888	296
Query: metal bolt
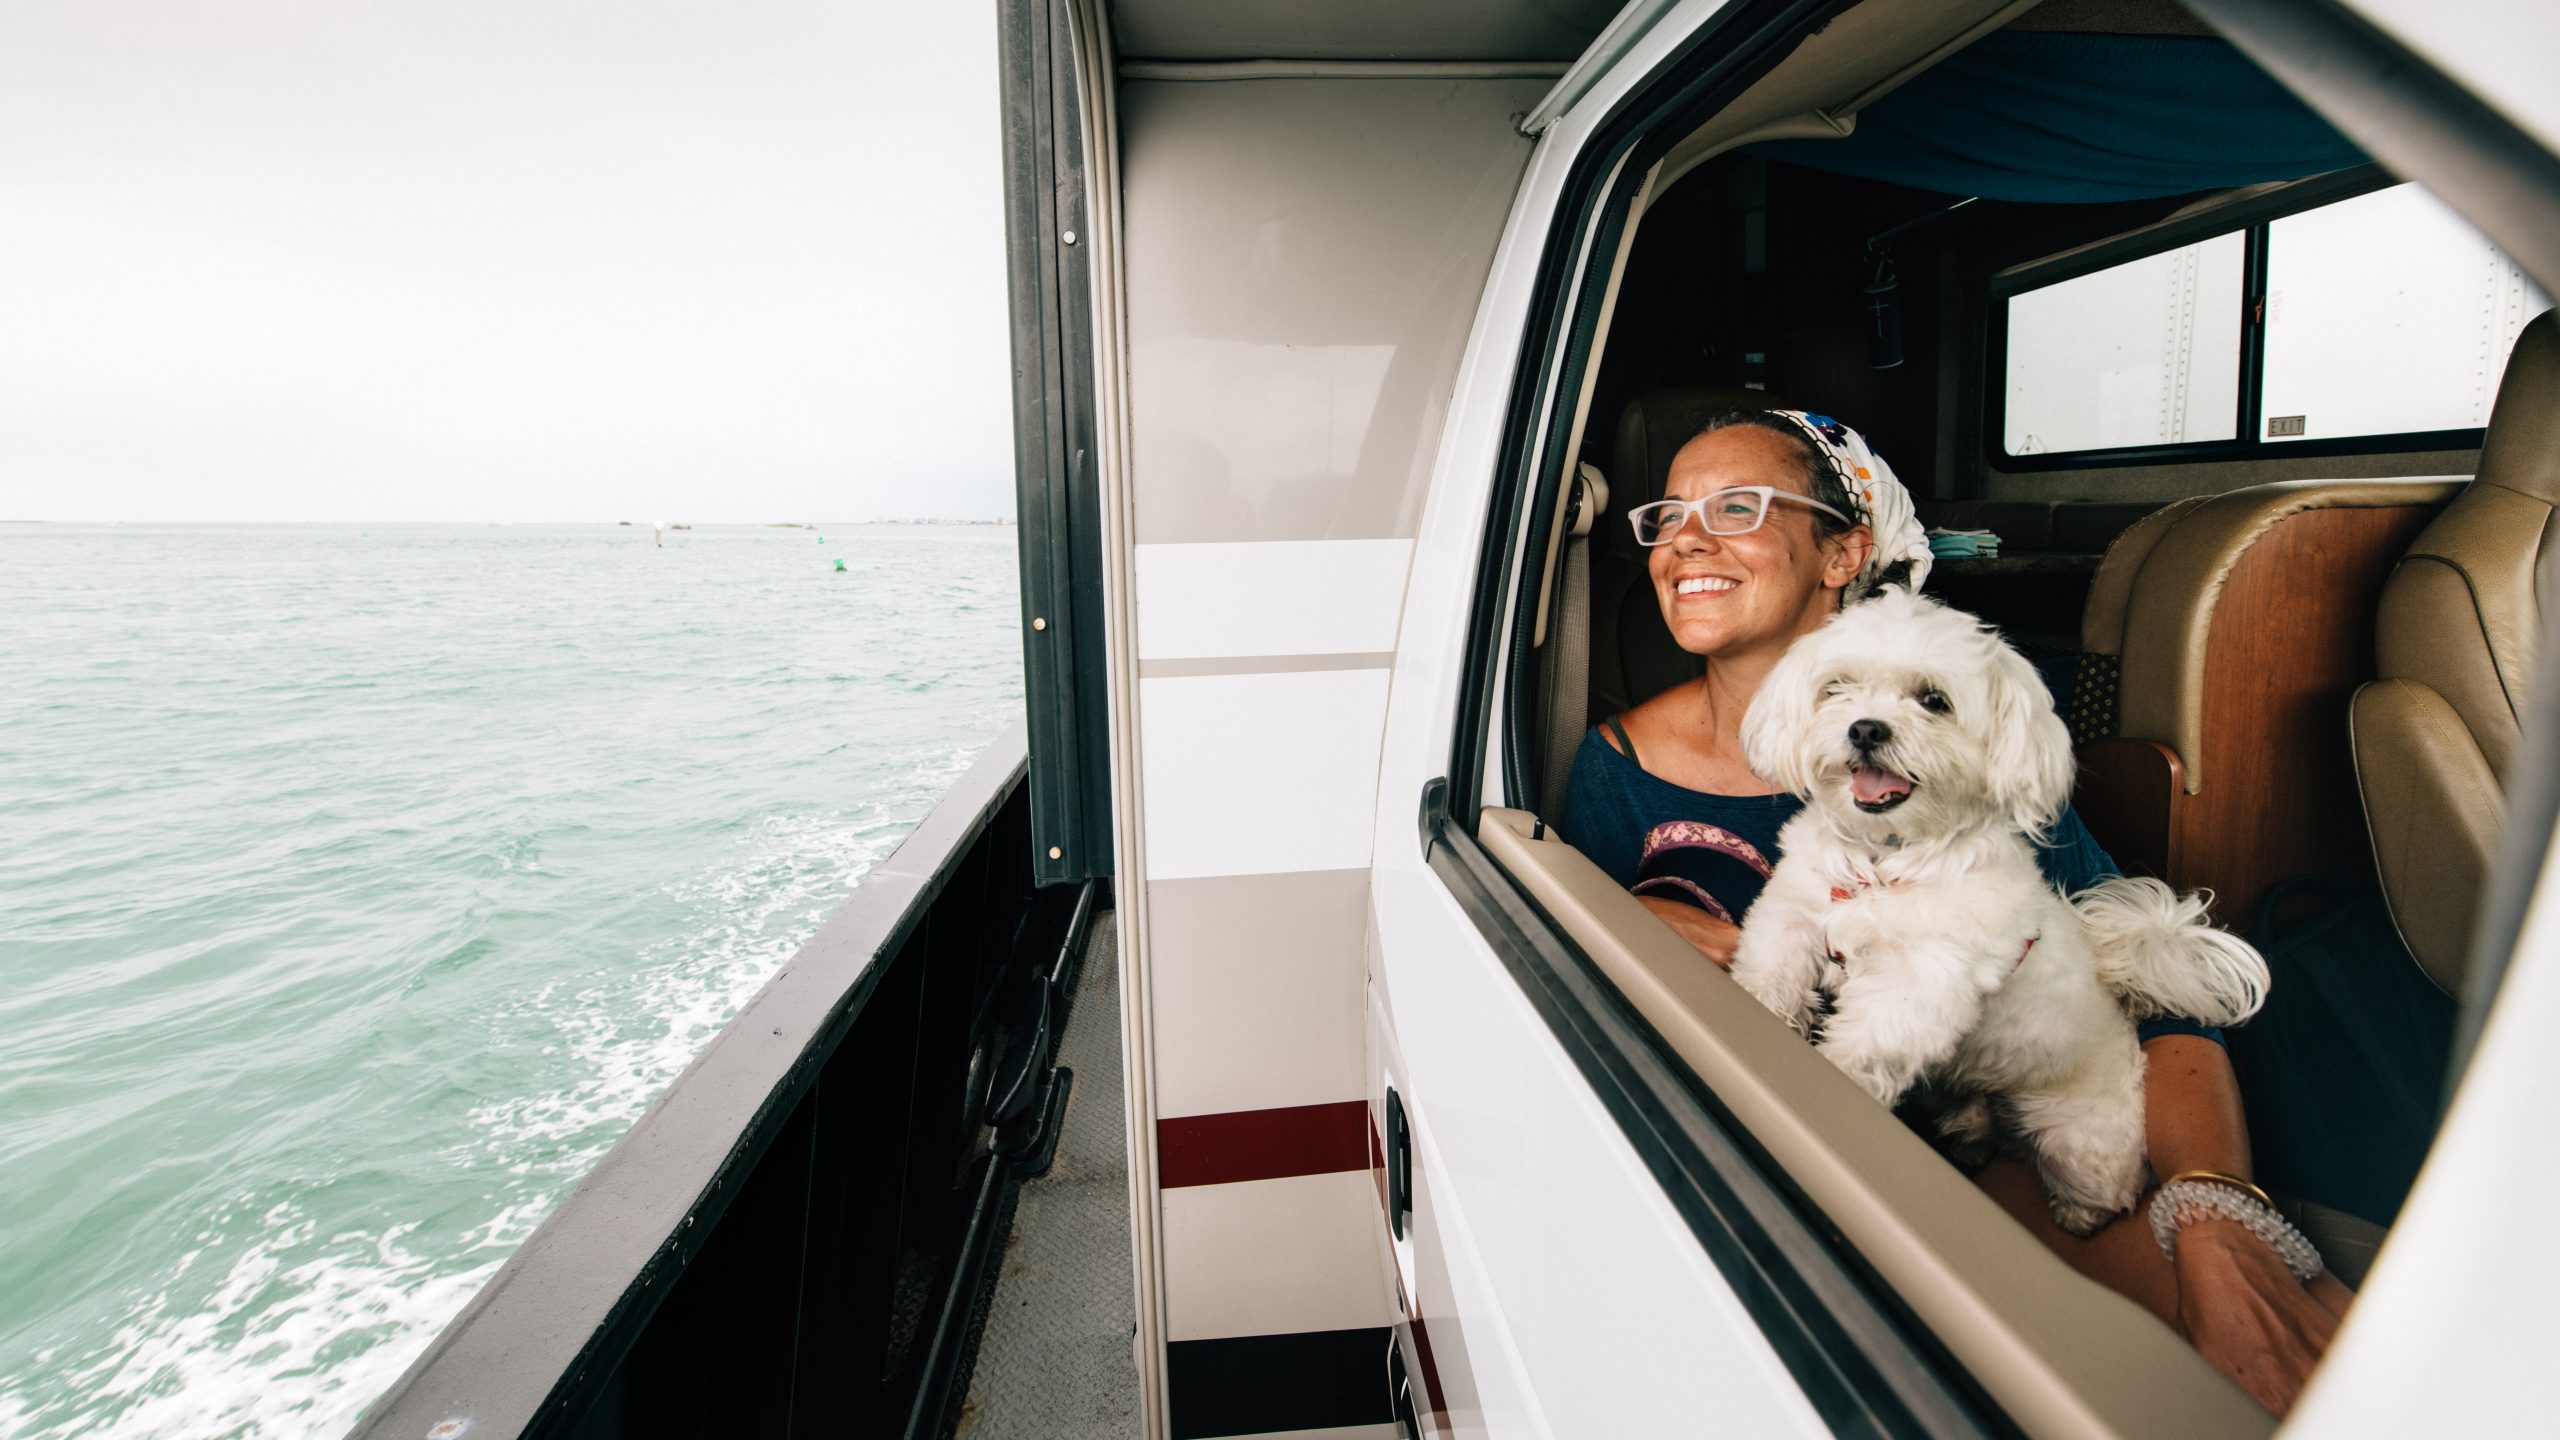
1056	854
1039	622
1071	237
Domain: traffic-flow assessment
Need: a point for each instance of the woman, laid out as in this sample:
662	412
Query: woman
1783	518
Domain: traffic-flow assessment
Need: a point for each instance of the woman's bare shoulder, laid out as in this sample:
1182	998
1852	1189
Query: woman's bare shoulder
1653	717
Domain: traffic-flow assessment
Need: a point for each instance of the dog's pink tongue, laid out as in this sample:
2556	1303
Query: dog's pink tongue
1872	783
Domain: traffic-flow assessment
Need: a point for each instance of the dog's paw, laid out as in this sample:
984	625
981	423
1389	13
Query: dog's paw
1787	1001
1798	1014
1886	1082
2081	1219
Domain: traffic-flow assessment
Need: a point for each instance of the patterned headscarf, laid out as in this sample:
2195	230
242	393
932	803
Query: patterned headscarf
1880	501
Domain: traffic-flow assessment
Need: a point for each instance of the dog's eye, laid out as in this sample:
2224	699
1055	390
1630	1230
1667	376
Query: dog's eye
1934	703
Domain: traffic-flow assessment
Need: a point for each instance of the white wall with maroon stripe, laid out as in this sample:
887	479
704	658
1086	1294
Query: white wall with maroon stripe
1305	259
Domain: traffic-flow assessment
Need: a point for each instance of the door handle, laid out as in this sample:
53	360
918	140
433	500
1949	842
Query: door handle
1399	1159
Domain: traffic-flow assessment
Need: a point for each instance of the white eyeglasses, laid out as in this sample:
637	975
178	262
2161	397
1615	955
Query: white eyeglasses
1737	511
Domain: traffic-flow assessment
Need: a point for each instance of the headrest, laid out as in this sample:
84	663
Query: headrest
2521	451
2181	558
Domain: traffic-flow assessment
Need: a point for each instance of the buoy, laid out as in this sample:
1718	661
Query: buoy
839	567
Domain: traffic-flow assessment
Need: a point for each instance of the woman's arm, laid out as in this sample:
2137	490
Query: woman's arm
2192	1117
1713	938
2239	1305
2227	1292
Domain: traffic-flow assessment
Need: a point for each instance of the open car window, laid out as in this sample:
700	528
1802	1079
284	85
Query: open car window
2204	333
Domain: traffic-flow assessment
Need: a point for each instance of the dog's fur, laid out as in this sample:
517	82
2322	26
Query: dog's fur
1909	893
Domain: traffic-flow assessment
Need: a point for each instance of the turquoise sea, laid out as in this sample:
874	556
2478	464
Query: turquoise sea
359	886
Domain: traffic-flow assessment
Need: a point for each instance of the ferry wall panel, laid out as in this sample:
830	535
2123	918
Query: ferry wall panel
1259	774
1260	1029
1279	597
1304	263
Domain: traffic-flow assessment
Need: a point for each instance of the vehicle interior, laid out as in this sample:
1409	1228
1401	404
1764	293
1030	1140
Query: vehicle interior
2271	503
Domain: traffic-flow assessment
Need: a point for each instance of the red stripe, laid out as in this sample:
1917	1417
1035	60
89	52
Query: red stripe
1262	1144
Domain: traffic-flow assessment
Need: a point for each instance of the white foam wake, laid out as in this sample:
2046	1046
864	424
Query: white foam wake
289	1343
302	1333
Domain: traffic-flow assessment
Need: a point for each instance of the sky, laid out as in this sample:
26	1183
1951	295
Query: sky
282	260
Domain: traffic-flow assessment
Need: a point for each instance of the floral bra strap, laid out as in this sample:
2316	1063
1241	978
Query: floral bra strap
1626	746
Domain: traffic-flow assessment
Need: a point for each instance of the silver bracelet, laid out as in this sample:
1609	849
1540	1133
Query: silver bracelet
2181	1203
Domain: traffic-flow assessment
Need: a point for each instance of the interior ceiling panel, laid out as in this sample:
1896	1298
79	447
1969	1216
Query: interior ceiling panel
1357	29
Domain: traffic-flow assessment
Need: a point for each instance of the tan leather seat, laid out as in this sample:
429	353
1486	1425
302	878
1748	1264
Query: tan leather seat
2238	628
2460	621
2233	629
1633	657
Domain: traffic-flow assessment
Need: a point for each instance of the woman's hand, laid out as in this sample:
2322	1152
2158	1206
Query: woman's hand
2243	1311
1713	938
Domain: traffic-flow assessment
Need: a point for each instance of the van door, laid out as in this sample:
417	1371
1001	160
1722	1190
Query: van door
1587	1252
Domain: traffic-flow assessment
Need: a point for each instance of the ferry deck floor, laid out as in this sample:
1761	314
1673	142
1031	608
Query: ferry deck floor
1054	1360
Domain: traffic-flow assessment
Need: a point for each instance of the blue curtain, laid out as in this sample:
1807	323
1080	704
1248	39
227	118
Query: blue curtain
2075	119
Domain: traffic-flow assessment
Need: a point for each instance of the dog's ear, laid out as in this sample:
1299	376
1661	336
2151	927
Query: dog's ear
1777	731
2031	764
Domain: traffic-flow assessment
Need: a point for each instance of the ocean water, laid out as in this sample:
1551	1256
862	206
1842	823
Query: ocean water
360	886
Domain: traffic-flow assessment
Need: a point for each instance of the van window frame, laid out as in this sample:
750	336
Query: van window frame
1827	1313
1866	1363
2249	217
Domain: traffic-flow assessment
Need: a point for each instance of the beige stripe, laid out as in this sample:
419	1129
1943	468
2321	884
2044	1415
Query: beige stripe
1275	1257
1262	664
1388	1431
1259	990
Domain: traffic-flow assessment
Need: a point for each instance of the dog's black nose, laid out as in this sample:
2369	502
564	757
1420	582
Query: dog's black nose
1868	734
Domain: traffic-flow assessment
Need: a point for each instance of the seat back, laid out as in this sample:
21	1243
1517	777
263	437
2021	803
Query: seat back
2238	627
2455	640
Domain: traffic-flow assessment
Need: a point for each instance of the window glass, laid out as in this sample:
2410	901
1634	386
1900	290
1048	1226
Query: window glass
2143	353
2386	314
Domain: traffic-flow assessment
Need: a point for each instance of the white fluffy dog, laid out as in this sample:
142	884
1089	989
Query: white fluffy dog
1931	758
